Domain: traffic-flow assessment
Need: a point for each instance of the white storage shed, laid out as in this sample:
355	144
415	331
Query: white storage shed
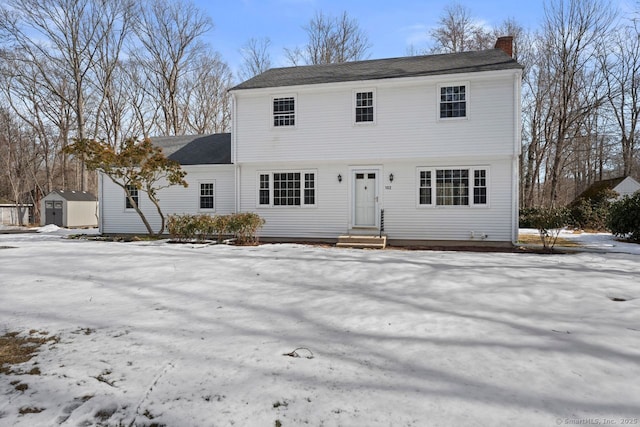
67	208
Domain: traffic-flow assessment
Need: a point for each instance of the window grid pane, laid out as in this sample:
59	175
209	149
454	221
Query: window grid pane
286	189
453	101
284	111
364	107
452	187
133	190
480	187
206	195
264	189
309	189
425	187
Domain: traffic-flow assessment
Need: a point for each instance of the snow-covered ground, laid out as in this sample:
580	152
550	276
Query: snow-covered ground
196	335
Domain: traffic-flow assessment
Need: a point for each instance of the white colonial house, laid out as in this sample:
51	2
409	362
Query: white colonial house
421	149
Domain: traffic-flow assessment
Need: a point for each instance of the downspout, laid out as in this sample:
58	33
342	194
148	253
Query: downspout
517	151
101	204
234	151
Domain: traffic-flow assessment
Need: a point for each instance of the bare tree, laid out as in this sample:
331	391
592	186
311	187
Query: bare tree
572	33
458	31
111	93
65	34
620	62
255	57
16	157
331	40
207	102
170	36
44	115
143	109
536	108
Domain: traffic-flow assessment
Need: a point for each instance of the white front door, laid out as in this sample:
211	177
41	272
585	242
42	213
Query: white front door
365	198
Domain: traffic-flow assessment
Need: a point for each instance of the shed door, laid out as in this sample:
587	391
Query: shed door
53	212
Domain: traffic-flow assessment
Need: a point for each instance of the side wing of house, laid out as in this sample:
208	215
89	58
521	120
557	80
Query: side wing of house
428	158
211	190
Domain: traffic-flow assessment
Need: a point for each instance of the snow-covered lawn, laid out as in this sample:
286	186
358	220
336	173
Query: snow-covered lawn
196	335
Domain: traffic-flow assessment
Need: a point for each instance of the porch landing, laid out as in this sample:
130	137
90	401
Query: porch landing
362	242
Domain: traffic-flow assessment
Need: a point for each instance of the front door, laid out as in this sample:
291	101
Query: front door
365	198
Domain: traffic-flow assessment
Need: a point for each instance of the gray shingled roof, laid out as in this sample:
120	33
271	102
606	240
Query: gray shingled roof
76	196
411	66
196	149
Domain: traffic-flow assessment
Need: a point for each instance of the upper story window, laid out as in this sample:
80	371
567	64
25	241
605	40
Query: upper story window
364	107
453	101
291	188
453	186
207	190
284	111
133	191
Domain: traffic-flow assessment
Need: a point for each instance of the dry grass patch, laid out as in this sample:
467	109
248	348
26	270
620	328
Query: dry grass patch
535	240
16	349
30	410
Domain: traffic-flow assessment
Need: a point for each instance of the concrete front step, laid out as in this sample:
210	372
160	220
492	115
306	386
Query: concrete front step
362	242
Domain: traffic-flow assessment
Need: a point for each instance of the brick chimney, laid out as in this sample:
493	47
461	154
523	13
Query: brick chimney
506	44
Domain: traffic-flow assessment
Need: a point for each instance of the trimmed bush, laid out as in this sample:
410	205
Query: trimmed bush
624	217
243	227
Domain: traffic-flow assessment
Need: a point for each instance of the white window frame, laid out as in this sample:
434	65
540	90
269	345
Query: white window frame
466	99
272	115
302	172
126	199
471	182
355	106
200	208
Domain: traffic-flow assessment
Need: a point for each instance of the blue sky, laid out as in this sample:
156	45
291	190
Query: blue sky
392	26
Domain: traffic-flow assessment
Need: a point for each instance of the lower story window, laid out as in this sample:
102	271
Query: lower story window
452	187
264	198
207	195
425	188
309	188
291	188
479	187
133	191
286	189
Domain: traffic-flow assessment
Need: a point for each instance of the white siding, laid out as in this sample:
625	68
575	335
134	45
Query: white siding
407	122
403	218
173	200
407	134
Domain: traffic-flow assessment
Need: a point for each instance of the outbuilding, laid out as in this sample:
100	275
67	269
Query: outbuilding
68	208
13	214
